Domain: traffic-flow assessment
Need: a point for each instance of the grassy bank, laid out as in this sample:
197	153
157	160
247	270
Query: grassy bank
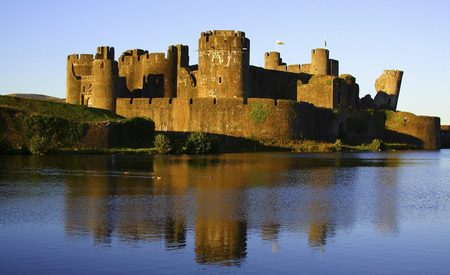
38	126
311	146
301	146
58	110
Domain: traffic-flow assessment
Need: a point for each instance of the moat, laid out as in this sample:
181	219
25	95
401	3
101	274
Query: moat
359	213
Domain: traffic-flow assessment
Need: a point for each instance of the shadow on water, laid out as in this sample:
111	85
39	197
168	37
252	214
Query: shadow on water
139	199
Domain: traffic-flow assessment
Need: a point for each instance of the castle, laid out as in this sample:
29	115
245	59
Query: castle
223	94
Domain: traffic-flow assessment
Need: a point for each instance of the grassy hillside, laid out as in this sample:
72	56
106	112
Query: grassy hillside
36	126
39	97
58	110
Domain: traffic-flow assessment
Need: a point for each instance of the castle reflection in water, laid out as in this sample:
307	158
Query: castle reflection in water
218	199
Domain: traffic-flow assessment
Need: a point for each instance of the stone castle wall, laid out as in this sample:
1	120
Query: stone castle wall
256	119
445	136
282	120
424	131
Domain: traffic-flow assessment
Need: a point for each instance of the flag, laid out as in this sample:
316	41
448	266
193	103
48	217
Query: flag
279	42
325	43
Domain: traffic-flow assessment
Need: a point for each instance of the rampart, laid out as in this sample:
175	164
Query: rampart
255	118
424	131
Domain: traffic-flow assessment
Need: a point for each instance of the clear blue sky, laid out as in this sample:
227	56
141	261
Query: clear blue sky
365	36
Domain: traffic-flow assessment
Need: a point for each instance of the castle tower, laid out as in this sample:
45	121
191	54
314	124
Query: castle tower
182	55
320	63
178	57
104	73
388	89
272	60
223	64
78	66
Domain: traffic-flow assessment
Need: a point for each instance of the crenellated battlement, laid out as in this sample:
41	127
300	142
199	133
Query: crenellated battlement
223	40
132	56
80	57
223	33
105	52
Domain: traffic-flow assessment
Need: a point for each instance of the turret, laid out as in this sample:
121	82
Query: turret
272	60
223	64
104	73
320	62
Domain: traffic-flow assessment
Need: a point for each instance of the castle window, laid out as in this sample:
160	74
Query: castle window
220	79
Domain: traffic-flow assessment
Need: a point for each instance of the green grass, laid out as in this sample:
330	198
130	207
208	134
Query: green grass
312	146
60	110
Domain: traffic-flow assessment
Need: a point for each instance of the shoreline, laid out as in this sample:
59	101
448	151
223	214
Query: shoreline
293	147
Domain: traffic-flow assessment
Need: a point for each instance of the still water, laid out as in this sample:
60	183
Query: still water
359	213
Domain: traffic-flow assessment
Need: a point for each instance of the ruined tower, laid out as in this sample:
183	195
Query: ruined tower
223	64
78	66
388	89
152	74
103	78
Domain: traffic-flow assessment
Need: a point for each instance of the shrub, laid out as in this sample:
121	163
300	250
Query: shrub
44	133
162	144
38	145
199	143
375	145
338	145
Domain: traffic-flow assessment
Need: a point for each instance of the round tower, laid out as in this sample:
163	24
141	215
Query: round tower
272	60
320	61
73	84
223	64
104	72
